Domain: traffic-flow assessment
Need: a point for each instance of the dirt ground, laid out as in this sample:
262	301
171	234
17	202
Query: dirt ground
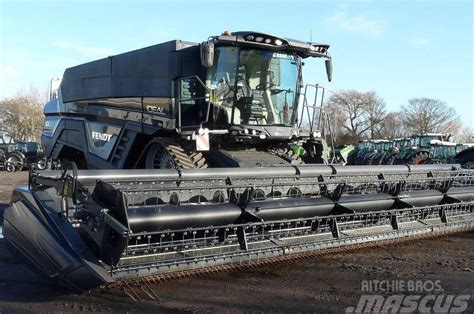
327	284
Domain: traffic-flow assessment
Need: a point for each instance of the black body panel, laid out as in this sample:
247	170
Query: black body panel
49	245
146	72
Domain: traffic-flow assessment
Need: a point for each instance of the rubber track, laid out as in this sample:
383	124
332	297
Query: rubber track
182	159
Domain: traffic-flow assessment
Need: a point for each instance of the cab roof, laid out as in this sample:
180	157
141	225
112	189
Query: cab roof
272	42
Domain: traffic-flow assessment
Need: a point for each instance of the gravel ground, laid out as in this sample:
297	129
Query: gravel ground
327	284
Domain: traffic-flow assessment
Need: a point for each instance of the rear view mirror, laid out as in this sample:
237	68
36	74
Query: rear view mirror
207	54
329	69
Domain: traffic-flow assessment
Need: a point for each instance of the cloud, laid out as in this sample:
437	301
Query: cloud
419	41
360	24
84	49
8	71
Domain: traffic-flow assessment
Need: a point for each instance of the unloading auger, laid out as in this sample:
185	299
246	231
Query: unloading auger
85	228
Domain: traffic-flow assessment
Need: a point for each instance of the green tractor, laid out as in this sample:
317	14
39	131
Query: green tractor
441	152
418	150
385	150
367	148
398	147
342	152
354	154
377	152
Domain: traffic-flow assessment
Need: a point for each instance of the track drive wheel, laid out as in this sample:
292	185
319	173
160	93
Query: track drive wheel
166	154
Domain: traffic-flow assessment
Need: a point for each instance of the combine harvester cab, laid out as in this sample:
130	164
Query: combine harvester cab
180	157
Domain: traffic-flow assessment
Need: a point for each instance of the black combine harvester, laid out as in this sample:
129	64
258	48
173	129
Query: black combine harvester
129	137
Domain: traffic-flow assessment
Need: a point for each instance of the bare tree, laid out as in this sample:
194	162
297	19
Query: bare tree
465	135
374	114
426	115
392	126
22	115
337	121
357	113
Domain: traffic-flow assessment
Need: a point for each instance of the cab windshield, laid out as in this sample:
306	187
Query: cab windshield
440	152
450	151
379	146
423	141
253	87
362	145
20	147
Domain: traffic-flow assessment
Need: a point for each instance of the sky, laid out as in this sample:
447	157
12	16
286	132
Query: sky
400	49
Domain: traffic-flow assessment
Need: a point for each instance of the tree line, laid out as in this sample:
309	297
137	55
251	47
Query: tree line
357	115
22	115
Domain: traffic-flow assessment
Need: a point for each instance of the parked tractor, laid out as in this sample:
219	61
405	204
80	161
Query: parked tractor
418	150
398	147
26	155
366	147
383	148
352	156
441	152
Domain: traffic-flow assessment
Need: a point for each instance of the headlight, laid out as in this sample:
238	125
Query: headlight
268	41
259	39
278	42
316	134
254	132
246	131
249	37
